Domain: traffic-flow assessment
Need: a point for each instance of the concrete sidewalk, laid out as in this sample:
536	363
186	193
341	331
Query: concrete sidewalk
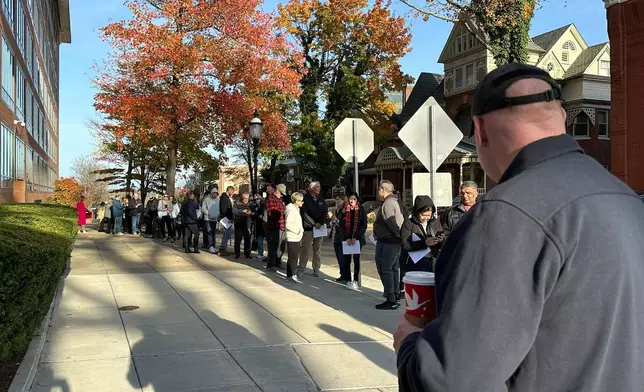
208	324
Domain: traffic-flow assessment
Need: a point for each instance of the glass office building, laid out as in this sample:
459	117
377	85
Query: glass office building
32	31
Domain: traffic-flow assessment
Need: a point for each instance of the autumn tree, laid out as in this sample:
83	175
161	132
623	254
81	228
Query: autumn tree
192	72
503	26
352	50
67	191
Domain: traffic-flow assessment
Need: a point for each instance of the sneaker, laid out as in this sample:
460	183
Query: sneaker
259	257
387	306
212	250
352	286
165	239
120	234
292	279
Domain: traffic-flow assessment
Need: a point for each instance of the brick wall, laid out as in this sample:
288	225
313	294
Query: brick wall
626	34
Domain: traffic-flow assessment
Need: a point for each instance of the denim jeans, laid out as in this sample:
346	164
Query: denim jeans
135	223
260	245
387	262
117	224
340	257
139	222
211	240
225	238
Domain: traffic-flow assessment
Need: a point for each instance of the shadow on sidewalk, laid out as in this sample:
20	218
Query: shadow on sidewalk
377	353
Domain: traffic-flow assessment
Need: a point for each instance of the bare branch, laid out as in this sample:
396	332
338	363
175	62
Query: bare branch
429	13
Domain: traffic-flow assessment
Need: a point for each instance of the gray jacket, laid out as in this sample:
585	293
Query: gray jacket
539	287
389	221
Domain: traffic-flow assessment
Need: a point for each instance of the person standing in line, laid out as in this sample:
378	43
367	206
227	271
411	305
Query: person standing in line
165	218
206	204
294	234
386	230
335	235
108	216
468	197
244	213
353	225
258	224
539	286
100	216
133	212
117	212
190	212
420	232
226	211
314	215
275	224
176	212
140	208
213	220
81	210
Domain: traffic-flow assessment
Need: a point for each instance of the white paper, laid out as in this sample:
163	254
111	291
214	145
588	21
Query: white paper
373	239
225	223
351	249
415	237
321	232
418	254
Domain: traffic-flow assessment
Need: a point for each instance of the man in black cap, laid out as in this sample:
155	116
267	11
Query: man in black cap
539	287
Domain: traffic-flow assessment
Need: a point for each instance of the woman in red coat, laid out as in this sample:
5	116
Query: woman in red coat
82	215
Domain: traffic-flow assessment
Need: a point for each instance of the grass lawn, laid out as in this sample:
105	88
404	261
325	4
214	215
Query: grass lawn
35	243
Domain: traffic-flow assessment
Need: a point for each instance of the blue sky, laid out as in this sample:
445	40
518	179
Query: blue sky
86	49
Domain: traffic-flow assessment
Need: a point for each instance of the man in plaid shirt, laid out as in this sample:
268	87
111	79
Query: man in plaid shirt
275	222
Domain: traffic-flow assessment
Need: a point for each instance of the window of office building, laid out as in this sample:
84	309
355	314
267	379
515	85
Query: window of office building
30	168
7	8
29	50
20	159
7	74
29	100
20	94
20	27
6	154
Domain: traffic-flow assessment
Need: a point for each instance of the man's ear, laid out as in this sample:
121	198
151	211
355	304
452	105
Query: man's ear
480	134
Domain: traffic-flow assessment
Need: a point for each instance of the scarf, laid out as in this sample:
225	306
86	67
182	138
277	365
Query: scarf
352	216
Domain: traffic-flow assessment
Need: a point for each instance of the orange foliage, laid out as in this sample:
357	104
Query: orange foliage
192	72
67	192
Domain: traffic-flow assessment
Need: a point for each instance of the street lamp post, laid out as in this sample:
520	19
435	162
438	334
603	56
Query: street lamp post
255	131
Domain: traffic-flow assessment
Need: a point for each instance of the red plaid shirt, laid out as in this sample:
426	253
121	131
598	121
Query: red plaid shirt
275	211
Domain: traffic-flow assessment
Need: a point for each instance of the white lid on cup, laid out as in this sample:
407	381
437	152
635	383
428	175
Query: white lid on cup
421	278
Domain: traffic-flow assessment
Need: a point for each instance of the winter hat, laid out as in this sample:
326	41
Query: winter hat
281	188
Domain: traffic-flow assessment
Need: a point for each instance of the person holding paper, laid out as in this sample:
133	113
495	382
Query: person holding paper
190	212
294	234
275	223
341	203
314	214
422	232
244	212
226	211
353	225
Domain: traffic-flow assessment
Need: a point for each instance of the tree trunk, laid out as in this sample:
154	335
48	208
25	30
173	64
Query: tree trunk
128	176
144	184
273	169
171	170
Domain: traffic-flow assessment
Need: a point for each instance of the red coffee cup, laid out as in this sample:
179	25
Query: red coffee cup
420	297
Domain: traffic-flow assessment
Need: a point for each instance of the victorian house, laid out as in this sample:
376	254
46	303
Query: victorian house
582	70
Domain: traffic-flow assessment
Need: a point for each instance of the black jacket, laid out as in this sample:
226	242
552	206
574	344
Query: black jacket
414	226
189	212
453	215
132	209
342	226
313	211
225	207
260	208
541	281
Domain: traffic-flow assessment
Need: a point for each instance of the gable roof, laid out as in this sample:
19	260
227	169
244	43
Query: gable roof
427	85
547	40
584	60
534	47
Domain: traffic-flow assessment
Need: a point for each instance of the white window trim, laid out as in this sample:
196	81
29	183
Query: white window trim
607	136
463	69
581	137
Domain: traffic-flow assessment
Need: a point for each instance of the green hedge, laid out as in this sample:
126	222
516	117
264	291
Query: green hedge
35	243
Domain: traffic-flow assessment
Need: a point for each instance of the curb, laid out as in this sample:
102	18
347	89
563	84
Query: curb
26	374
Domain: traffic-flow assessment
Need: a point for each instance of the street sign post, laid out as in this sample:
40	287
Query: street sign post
354	142
431	135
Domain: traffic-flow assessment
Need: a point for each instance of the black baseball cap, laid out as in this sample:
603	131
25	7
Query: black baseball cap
490	93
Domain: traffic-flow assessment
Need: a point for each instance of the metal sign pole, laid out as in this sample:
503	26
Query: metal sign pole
432	152
354	124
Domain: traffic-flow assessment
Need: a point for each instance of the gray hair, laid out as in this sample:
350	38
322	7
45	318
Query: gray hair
469	184
387	186
313	184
